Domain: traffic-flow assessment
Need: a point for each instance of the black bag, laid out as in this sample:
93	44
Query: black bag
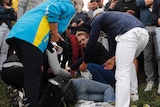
70	96
53	95
11	72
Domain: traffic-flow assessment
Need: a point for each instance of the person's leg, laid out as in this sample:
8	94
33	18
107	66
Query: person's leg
134	84
32	60
13	76
157	47
129	46
95	73
136	64
4	30
100	74
148	59
93	91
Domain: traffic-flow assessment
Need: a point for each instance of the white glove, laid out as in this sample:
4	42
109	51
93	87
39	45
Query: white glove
86	74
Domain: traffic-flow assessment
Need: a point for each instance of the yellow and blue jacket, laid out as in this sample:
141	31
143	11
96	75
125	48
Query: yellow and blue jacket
33	27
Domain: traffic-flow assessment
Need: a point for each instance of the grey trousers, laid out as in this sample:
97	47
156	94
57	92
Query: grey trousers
151	55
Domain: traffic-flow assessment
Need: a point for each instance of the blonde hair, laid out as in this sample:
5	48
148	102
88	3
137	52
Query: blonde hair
78	33
78	5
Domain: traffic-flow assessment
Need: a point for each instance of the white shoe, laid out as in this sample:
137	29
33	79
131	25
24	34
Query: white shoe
134	97
158	90
146	105
149	86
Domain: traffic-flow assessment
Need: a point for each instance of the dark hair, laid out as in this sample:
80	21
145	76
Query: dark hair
94	1
9	4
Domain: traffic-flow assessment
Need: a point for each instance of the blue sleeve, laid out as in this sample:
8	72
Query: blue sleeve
54	11
140	3
94	34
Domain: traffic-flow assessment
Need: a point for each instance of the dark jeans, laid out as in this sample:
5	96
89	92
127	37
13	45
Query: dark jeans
101	75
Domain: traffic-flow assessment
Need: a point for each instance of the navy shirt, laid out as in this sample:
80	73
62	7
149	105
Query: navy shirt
112	23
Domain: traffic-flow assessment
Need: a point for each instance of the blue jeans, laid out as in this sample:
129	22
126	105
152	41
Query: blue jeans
93	91
100	74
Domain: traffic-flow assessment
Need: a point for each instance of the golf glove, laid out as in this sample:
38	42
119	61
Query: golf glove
86	74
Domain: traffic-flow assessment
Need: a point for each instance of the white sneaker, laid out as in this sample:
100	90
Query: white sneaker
134	97
149	86
158	90
146	105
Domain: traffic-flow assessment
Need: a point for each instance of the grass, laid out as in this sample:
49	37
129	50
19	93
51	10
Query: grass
3	99
151	98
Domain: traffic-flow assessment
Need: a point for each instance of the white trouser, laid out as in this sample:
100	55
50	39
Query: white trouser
129	46
4	30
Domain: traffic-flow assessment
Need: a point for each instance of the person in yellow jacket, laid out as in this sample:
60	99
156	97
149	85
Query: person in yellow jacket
30	36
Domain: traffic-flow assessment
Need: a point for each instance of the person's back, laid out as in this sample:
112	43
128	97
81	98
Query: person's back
131	38
113	27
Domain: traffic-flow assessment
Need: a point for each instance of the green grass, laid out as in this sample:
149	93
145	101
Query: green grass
151	98
3	99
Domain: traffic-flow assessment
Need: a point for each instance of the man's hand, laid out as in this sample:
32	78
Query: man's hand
56	37
159	21
86	74
109	64
113	3
83	67
132	12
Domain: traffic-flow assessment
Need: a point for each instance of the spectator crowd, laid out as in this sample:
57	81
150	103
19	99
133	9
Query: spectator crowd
100	50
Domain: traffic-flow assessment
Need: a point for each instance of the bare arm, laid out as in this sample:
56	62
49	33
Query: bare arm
148	2
55	36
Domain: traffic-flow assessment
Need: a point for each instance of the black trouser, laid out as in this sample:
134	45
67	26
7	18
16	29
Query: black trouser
32	60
